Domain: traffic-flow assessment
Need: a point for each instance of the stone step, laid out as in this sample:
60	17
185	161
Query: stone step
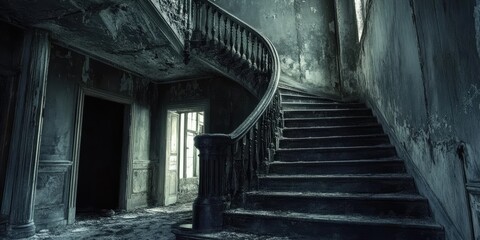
334	153
286	90
294	97
335	141
382	205
341	183
312	113
299	106
301	132
370	166
329	121
345	227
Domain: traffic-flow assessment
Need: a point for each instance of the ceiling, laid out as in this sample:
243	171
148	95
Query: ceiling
128	33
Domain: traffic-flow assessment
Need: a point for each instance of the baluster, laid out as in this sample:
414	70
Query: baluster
197	15
237	167
269	64
244	165
266	61
250	154
207	9
225	38
179	8
249	45
258	54
219	29
265	56
242	49
262	62
256	148
182	13
255	52
187	14
214	29
234	38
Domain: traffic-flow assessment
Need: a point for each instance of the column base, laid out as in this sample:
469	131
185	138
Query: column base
3	225
21	230
208	215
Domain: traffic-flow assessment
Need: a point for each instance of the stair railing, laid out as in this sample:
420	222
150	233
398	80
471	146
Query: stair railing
230	163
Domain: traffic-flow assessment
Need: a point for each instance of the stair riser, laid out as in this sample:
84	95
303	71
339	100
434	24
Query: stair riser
284	91
299	99
300	106
331	113
368	207
372	168
343	185
299	229
335	142
319	132
346	154
328	122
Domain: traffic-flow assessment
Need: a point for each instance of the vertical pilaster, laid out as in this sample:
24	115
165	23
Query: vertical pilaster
24	151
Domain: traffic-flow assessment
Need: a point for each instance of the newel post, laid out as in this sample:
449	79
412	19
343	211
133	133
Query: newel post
209	206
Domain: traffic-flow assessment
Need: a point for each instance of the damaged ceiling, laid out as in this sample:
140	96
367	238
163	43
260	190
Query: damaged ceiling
130	34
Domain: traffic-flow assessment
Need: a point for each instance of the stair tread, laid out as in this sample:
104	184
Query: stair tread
338	176
326	110
371	196
317	103
377	161
305	95
340	219
291	102
383	146
328	118
332	127
333	137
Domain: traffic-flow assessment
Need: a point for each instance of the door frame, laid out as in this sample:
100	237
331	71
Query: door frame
189	106
126	162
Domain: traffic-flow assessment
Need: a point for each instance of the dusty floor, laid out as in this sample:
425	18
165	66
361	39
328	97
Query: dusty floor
151	223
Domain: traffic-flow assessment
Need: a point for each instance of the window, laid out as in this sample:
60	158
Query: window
361	12
191	125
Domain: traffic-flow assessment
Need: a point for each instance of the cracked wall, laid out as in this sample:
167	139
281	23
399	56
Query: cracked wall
349	45
303	33
419	67
68	73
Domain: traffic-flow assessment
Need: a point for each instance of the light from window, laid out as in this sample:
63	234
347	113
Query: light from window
360	12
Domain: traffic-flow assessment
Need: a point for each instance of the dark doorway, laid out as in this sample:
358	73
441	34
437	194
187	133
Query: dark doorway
100	156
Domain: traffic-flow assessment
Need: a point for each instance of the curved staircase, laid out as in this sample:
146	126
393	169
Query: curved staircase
299	166
335	175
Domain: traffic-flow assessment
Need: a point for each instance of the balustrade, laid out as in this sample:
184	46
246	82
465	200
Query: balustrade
230	163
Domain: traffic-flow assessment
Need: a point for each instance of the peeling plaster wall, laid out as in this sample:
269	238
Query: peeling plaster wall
128	34
68	72
420	68
349	45
303	33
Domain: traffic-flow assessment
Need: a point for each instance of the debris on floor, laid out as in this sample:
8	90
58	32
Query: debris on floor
150	223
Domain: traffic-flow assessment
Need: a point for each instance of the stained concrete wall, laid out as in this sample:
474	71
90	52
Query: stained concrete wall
420	69
304	34
68	73
349	46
